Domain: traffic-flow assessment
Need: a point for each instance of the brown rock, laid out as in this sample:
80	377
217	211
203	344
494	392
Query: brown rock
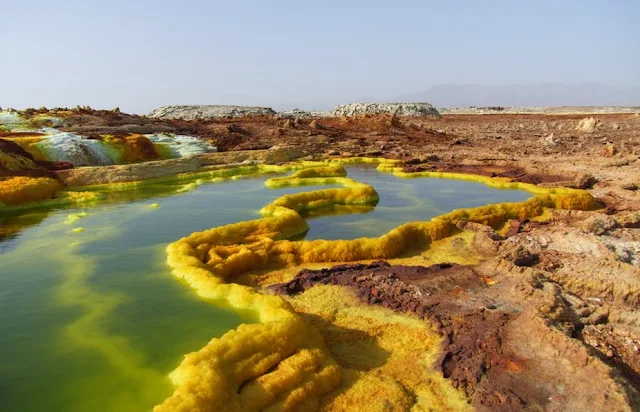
585	181
413	161
608	150
234	128
315	125
432	158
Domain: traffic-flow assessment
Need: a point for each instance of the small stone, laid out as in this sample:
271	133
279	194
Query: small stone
432	158
549	140
585	181
599	225
315	125
234	128
608	150
588	125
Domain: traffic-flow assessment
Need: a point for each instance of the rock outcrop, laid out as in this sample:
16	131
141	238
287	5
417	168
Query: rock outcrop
303	114
208	112
394	109
16	161
87	176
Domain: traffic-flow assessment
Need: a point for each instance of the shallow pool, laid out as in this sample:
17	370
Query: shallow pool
93	320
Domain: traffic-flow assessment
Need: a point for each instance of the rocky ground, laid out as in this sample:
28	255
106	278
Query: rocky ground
550	310
548	319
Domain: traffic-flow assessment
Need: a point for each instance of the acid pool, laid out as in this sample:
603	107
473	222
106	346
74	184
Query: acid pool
90	316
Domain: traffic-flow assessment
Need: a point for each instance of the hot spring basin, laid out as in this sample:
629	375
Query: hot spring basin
93	319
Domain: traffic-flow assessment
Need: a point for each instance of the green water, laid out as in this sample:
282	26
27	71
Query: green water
93	321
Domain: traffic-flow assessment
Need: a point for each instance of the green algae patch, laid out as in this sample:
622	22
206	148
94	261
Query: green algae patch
78	304
86	335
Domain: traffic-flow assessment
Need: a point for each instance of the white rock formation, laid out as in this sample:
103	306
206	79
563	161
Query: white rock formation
77	150
588	125
180	145
303	114
208	112
396	109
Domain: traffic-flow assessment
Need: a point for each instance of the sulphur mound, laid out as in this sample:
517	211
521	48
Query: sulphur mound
290	359
21	189
386	358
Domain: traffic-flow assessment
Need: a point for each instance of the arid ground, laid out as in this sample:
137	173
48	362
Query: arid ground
548	318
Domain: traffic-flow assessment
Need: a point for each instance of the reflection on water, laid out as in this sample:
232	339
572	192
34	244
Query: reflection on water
94	321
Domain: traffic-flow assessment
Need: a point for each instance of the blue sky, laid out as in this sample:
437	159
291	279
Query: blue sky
142	54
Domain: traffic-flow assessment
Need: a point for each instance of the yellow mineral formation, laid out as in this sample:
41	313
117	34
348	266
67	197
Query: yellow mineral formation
21	189
305	176
283	361
131	149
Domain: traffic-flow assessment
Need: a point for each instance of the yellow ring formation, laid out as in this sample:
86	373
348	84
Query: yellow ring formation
281	362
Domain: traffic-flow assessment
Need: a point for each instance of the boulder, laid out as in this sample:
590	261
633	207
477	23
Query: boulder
588	125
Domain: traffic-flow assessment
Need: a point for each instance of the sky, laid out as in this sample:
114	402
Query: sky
139	55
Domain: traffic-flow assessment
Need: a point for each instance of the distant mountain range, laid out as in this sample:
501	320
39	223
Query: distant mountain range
545	94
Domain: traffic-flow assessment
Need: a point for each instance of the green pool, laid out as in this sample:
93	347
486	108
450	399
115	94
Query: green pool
93	321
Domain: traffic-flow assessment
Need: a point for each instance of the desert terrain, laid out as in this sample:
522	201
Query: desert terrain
544	318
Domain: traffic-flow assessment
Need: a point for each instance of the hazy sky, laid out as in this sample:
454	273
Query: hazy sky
142	54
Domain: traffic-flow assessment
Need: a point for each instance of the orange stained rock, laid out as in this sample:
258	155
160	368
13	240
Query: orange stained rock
514	367
133	148
488	281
